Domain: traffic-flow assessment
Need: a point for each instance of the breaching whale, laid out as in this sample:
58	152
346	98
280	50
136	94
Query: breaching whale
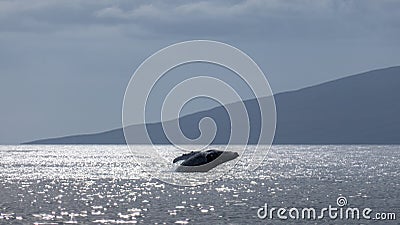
203	161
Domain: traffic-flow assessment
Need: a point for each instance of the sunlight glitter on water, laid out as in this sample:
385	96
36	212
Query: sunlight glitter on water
103	184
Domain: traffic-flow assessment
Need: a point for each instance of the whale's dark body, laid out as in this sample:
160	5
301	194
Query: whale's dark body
203	161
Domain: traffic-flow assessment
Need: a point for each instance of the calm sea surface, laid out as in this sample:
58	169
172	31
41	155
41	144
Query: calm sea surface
103	184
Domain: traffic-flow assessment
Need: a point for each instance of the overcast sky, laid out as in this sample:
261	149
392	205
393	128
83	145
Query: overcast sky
64	64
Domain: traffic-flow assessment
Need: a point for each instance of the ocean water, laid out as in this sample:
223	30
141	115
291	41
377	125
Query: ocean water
103	184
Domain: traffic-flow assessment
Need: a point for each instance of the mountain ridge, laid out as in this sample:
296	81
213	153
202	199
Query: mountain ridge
357	109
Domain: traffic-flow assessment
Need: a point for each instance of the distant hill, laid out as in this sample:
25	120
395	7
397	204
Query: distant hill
359	109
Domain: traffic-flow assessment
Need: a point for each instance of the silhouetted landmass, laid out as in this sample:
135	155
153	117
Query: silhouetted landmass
359	109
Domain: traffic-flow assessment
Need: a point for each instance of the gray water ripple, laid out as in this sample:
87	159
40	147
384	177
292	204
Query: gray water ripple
104	185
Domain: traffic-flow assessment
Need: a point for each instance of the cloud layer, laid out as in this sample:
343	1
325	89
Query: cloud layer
64	64
272	18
